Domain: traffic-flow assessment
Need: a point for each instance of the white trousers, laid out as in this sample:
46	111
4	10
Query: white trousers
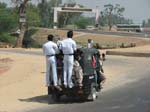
68	67
51	70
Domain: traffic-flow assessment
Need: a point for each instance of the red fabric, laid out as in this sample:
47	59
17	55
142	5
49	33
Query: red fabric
93	62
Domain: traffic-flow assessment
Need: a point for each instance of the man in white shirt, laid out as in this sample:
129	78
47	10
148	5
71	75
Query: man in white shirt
68	47
50	49
18	32
90	43
58	42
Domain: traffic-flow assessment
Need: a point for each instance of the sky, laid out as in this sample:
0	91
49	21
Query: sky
137	10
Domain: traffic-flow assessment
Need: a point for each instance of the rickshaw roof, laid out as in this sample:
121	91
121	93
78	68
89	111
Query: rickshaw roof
86	58
89	50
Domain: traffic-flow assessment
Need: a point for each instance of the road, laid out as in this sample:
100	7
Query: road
128	92
142	34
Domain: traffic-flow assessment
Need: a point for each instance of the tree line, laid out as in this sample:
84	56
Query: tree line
146	23
41	15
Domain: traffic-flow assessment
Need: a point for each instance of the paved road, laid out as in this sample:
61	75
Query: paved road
130	98
129	92
142	34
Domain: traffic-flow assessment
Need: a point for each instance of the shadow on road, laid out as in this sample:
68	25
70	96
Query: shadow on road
48	100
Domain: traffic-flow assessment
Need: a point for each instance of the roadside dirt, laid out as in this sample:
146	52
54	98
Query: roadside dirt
5	65
20	80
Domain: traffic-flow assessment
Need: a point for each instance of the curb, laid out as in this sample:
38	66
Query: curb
132	54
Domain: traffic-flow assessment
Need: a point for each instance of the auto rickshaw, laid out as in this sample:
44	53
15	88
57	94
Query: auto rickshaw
90	87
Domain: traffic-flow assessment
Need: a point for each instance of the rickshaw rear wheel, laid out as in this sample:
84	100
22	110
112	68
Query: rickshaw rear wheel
93	94
56	97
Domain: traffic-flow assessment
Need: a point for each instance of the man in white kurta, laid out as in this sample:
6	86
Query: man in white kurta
50	49
68	47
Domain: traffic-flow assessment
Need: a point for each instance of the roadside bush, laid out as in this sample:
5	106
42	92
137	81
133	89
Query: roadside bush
5	37
28	41
8	18
82	22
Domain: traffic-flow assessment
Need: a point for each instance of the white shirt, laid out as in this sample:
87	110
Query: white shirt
50	48
89	45
18	31
58	43
68	46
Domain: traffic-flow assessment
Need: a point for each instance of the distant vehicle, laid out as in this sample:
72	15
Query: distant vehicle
146	30
129	27
90	28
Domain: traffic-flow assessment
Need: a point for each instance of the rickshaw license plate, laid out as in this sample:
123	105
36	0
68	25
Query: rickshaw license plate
91	77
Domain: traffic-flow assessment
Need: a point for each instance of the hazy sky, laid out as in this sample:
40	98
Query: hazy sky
137	10
134	9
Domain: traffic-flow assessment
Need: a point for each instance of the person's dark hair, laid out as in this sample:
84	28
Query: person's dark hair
50	37
70	34
89	40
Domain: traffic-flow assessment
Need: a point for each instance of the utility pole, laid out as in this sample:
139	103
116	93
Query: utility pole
22	23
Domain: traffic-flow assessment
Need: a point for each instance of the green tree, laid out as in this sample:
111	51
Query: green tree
111	10
146	23
8	23
143	23
21	5
33	15
82	22
103	20
55	3
47	12
8	18
67	17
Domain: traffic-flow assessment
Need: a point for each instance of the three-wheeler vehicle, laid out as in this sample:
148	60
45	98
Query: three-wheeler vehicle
90	87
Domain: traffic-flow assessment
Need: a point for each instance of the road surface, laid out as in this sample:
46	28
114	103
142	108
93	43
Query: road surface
142	34
128	92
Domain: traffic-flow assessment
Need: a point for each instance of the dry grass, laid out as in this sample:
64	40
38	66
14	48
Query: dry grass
42	33
139	49
41	37
112	40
